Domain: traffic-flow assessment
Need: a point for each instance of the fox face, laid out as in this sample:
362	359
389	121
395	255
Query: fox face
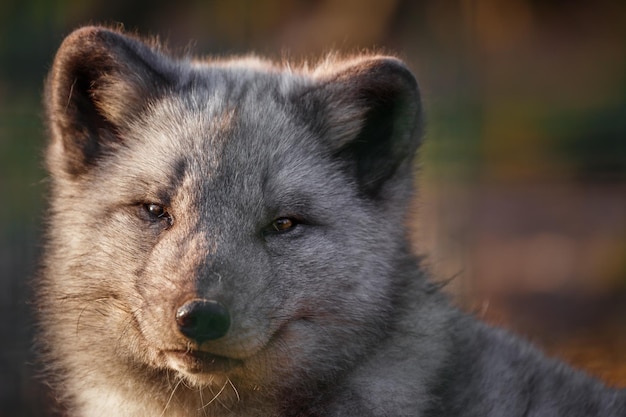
224	222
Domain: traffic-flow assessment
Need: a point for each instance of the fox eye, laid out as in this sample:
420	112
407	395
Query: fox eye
155	209
283	224
157	212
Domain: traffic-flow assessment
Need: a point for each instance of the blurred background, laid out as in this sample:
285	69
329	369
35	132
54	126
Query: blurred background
522	205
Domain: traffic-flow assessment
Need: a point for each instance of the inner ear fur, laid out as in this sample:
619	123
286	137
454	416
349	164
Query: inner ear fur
369	112
99	80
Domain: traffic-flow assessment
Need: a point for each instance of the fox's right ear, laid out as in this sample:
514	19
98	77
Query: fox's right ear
99	80
368	112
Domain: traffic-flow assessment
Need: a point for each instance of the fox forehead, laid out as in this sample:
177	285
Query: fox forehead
206	124
218	105
193	153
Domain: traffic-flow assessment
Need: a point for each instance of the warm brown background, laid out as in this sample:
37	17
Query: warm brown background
523	199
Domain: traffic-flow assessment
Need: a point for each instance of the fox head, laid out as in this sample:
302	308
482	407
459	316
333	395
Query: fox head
224	220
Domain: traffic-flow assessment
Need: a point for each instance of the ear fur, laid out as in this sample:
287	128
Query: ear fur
99	80
369	111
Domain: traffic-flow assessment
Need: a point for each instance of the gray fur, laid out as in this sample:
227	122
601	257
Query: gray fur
333	317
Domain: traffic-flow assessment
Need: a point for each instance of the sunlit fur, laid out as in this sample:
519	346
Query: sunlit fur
333	317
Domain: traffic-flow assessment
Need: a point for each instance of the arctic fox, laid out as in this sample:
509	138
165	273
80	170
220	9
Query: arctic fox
227	238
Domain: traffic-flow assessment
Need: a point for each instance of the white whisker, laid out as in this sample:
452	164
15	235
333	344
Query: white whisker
216	395
169	400
234	389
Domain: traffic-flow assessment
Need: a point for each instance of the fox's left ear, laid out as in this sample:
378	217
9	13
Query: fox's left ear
369	111
99	81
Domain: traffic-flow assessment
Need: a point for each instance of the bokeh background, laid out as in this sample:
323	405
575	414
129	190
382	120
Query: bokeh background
522	205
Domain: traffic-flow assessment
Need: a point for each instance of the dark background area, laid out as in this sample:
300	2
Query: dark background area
523	180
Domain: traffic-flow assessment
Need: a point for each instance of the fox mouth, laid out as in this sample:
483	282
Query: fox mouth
199	362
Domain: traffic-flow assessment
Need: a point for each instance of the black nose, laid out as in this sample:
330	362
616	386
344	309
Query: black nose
203	320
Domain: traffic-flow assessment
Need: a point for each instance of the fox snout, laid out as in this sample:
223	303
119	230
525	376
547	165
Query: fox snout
201	320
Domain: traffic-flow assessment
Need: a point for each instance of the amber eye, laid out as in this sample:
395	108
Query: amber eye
156	213
155	210
283	224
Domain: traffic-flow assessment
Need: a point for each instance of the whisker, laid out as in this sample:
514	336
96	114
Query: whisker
234	389
169	400
202	402
216	395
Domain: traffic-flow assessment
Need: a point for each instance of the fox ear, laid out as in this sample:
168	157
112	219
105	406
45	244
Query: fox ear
98	81
370	113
